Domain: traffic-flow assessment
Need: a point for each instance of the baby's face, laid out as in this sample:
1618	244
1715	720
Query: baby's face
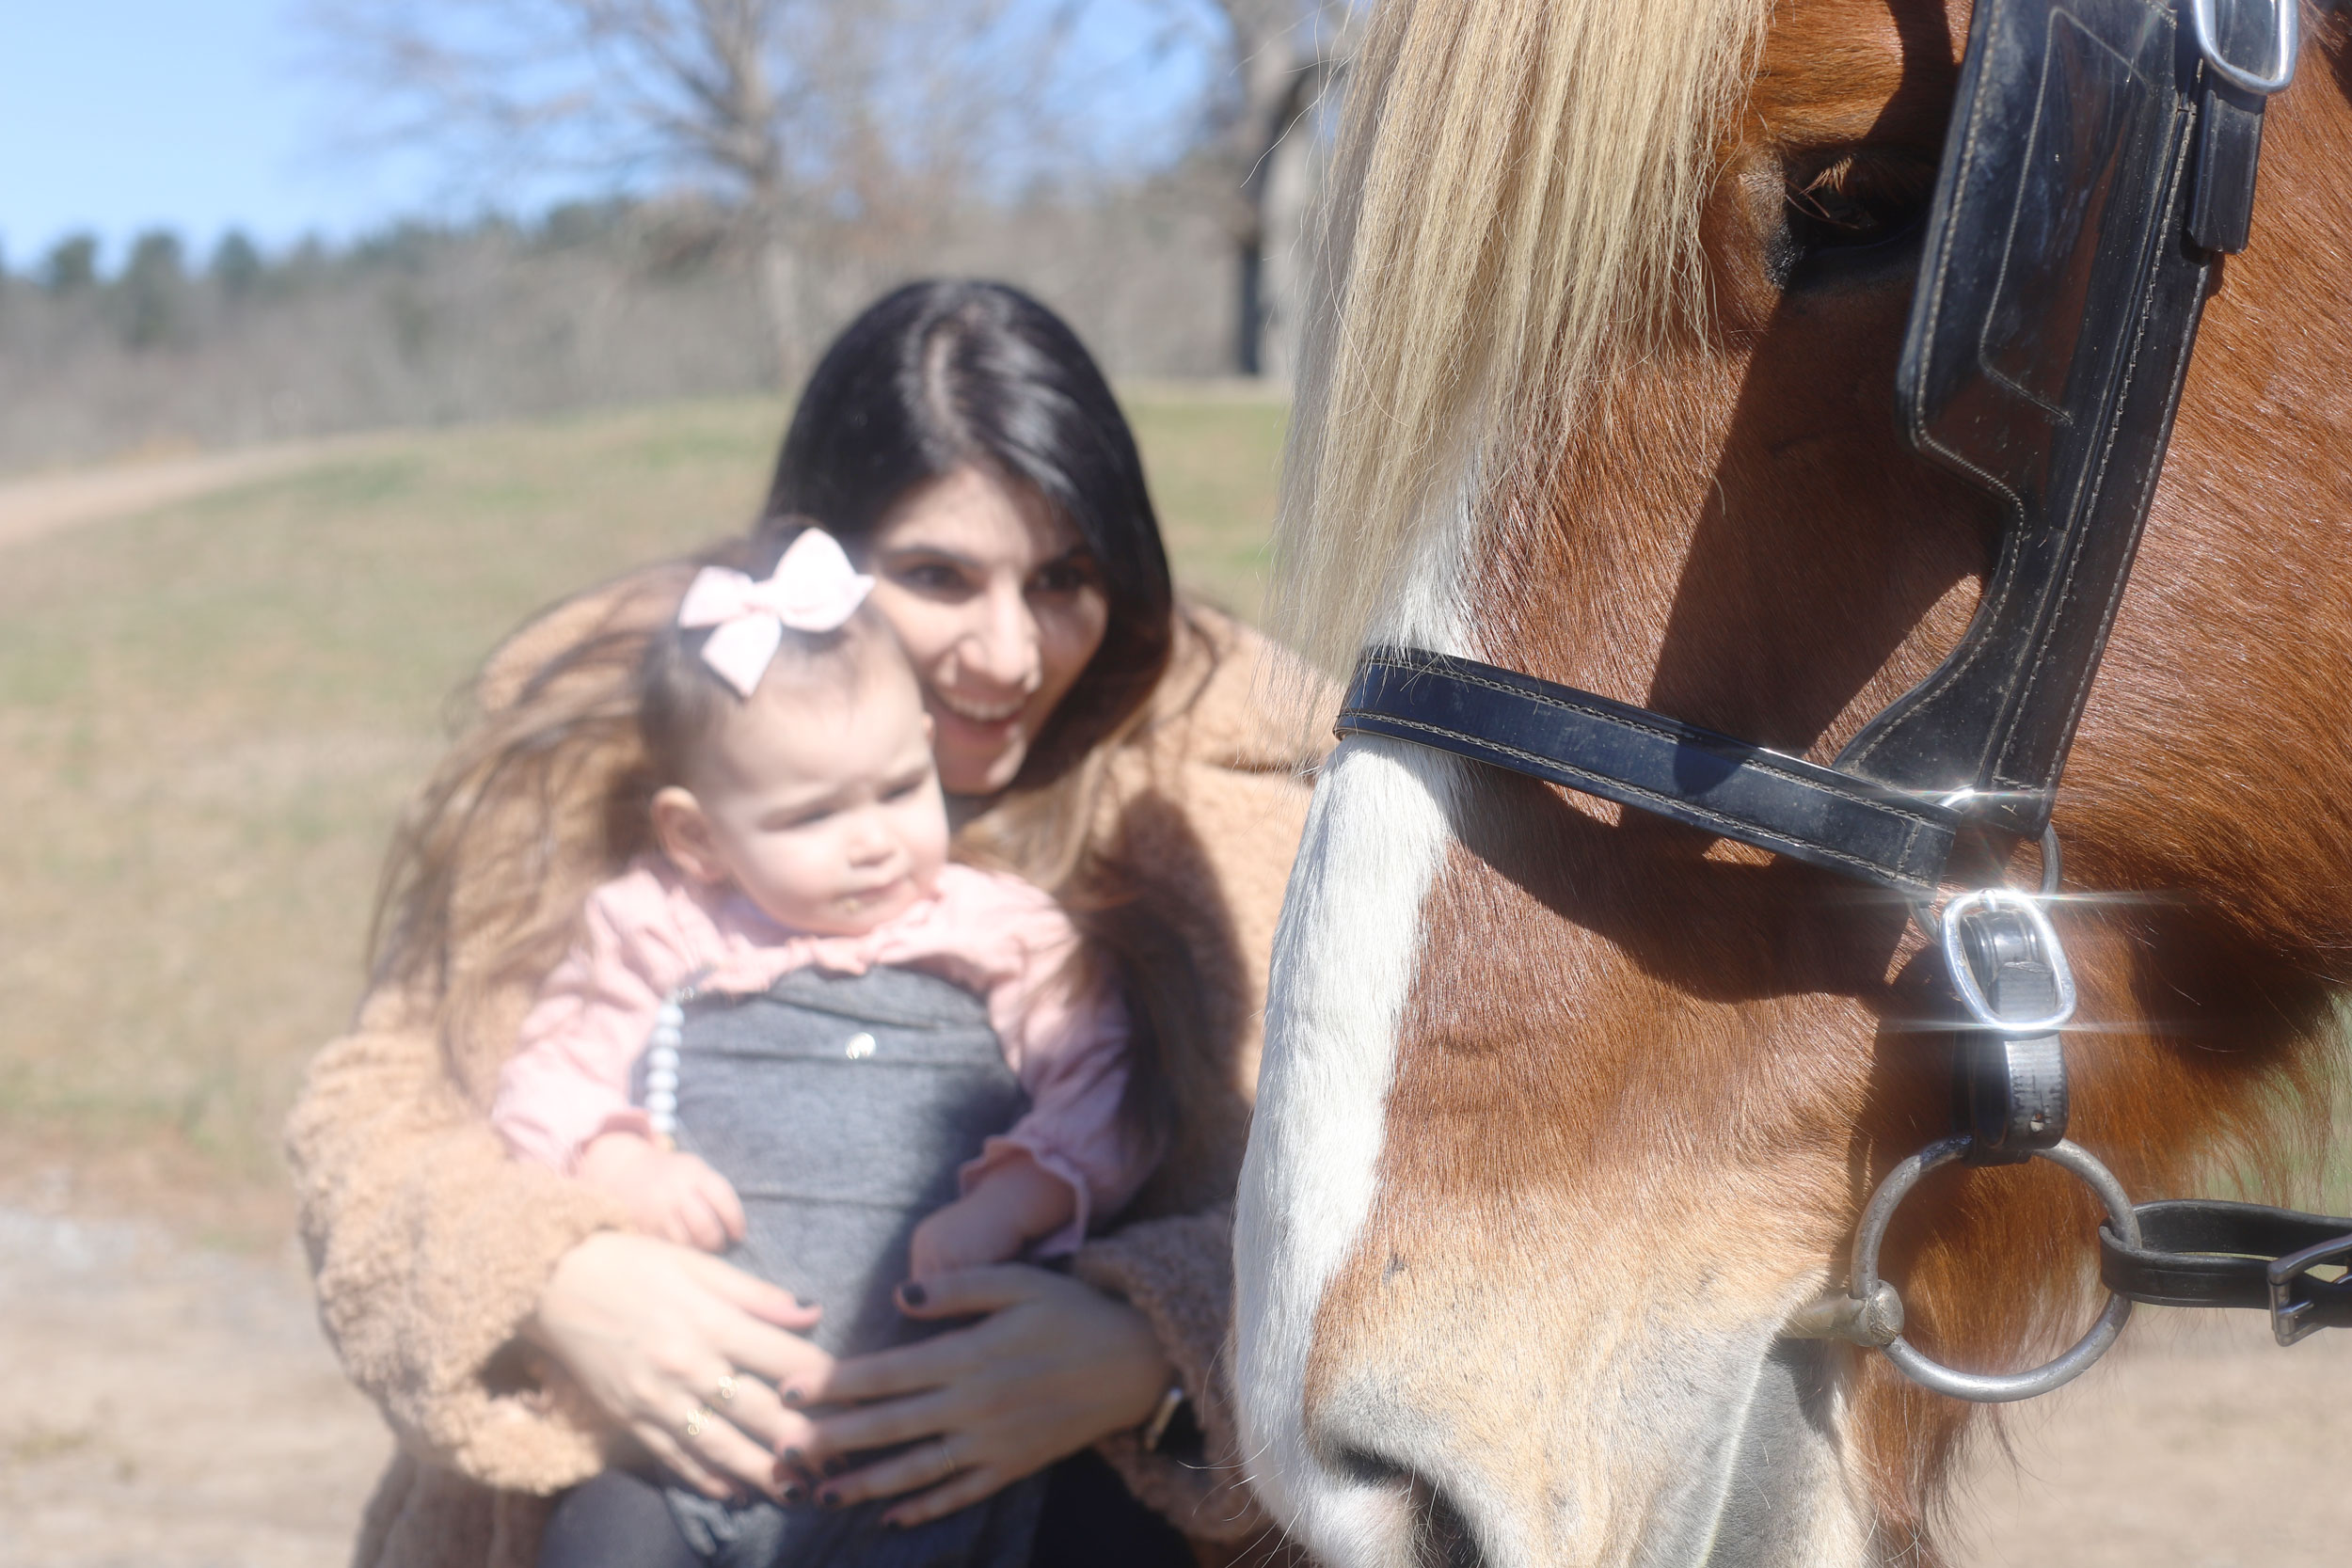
822	804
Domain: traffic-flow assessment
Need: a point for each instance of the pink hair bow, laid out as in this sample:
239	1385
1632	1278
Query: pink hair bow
812	589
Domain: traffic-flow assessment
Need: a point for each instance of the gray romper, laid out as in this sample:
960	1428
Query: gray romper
840	1107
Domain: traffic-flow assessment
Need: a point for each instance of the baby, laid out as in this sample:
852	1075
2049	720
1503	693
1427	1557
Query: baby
866	1061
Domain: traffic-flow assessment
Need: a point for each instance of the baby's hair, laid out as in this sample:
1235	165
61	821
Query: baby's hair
681	700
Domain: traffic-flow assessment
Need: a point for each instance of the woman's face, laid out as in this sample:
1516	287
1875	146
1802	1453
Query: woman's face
1000	607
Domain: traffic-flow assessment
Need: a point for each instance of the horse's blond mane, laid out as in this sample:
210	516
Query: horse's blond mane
1515	197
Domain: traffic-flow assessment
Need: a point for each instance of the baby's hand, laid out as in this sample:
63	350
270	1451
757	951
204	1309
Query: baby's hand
964	1235
668	1194
1013	1205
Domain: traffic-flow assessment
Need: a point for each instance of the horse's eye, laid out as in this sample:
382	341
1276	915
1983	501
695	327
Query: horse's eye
1857	200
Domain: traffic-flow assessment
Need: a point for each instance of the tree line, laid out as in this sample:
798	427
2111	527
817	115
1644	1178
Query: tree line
617	301
777	164
790	114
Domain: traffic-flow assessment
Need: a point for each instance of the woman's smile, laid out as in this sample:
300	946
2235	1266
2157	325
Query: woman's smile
999	607
973	712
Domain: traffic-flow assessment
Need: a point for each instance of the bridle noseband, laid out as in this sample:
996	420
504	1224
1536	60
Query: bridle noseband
2101	157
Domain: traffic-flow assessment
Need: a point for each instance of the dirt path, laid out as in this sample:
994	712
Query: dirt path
44	503
166	1406
2200	1445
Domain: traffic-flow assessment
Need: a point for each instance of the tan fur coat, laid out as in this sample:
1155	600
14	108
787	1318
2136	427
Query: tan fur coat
430	1247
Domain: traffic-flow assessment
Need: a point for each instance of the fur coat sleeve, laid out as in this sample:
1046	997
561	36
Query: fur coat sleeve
429	1244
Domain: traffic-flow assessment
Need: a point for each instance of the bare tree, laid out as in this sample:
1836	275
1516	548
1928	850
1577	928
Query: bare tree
794	114
1284	55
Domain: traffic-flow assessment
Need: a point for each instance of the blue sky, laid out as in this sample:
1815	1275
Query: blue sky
190	114
118	116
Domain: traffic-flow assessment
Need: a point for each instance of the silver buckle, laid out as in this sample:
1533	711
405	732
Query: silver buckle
2286	1314
2287	31
2028	908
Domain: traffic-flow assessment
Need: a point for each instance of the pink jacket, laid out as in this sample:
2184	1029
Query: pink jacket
648	931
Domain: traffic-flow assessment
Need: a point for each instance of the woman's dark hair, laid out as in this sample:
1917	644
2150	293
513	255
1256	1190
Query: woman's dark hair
941	375
953	374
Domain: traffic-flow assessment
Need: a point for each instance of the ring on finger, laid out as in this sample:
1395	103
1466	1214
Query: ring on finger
698	1418
725	1389
947	1465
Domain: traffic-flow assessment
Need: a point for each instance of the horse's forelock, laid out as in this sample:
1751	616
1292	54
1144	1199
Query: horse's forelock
1517	194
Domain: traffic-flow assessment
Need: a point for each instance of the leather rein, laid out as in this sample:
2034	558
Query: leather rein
2101	158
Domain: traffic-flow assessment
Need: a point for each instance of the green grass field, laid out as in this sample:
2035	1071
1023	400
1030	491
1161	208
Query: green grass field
211	714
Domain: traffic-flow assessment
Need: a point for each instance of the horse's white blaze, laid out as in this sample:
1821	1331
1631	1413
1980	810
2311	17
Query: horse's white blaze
1343	961
1344	958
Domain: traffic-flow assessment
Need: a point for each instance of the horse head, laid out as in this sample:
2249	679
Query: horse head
1567	1109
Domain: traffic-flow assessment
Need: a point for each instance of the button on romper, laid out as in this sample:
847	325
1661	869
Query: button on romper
840	1107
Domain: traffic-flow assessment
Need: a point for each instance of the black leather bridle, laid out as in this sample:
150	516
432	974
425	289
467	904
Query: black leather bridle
2101	158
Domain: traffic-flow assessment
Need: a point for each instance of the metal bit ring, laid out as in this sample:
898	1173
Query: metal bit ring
1994	1388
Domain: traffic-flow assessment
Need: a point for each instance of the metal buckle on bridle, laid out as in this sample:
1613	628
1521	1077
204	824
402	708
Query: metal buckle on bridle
2292	1320
2287	43
1973	937
2230	102
2009	971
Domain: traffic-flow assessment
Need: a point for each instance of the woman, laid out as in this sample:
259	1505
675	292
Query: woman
1096	738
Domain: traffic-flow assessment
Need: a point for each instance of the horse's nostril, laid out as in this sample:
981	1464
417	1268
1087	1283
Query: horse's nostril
1371	1470
1442	1538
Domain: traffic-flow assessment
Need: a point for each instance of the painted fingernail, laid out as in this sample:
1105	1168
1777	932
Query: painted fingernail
793	1397
914	1294
828	1499
794	1456
793	1493
834	1465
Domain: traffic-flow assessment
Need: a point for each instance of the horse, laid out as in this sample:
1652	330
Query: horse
1567	1110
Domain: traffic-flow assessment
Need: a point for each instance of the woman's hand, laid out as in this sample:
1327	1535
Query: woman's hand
664	1338
1055	1366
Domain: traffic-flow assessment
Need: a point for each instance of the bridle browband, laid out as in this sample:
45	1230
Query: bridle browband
2101	158
1824	816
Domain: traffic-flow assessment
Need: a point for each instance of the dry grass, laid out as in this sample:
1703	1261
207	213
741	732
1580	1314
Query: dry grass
210	713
